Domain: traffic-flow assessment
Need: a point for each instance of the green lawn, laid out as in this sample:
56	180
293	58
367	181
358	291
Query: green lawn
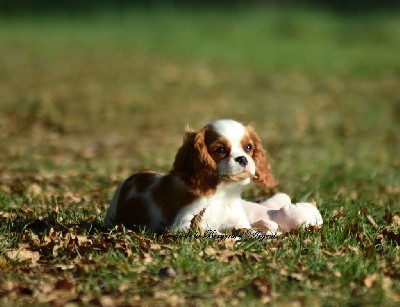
86	101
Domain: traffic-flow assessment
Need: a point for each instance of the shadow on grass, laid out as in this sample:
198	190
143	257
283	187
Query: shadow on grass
45	224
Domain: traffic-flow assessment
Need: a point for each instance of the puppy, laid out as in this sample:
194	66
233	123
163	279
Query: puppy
210	170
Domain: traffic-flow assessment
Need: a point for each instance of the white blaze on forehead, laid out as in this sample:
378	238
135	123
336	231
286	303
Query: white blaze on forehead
231	129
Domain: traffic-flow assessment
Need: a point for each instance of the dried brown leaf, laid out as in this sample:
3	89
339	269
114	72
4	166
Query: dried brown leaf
23	255
147	258
236	177
155	247
297	276
166	272
354	249
391	235
3	263
370	280
4	214
262	289
209	251
229	256
34	190
73	197
261	226
229	243
195	223
372	221
252	256
64	284
369	249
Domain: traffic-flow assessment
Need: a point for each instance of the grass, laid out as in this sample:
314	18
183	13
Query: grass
85	102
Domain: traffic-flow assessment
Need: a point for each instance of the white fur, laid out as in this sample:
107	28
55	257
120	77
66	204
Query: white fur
293	215
223	210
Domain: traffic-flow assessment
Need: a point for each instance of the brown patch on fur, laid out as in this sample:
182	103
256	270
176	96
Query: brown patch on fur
194	165
263	175
133	214
170	196
140	181
247	140
132	211
214	140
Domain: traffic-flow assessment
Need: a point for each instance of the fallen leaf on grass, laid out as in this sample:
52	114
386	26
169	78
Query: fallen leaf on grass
169	299
195	223
353	249
369	249
338	214
30	238
209	251
64	284
166	272
34	190
296	276
6	286
372	221
155	247
23	255
261	227
389	235
73	197
229	243
396	219
5	215
147	258
228	257
262	289
370	280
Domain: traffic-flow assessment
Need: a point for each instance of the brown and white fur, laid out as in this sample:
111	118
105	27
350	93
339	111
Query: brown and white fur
210	170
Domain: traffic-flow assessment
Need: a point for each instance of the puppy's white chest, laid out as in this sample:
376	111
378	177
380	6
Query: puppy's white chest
225	215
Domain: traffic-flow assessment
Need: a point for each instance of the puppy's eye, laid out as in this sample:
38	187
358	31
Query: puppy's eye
220	150
248	147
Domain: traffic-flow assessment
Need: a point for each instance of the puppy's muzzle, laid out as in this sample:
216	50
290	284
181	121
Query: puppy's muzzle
242	160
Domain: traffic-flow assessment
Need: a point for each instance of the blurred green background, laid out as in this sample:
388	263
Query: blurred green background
101	81
92	91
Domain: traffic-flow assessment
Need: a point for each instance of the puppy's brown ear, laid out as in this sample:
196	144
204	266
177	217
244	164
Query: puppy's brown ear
263	175
194	165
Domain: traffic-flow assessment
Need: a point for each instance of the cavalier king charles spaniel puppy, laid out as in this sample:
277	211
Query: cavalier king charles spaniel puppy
210	170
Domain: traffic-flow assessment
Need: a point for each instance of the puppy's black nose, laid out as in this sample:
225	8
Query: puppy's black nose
242	160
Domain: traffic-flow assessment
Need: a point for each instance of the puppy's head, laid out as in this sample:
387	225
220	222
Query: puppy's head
224	150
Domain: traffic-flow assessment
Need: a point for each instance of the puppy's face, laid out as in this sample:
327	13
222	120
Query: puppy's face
231	147
222	150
